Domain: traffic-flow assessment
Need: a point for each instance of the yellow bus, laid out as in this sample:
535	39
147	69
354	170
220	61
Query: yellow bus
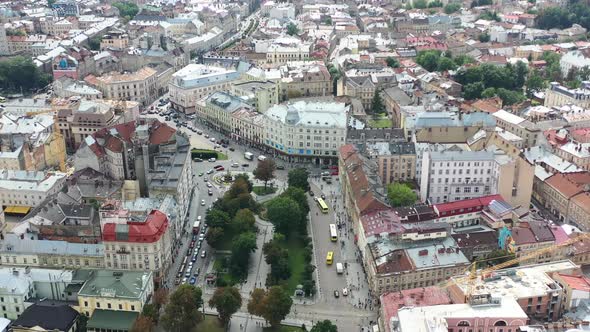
323	206
330	257
333	234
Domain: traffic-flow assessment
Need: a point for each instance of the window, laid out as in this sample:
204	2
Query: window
132	308
109	305
120	307
98	304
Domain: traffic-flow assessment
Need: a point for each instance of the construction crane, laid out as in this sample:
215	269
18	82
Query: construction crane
473	273
56	135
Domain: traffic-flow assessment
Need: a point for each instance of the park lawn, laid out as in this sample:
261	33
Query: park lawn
380	123
209	324
261	191
283	328
296	262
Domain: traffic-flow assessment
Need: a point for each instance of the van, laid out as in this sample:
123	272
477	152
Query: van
199	218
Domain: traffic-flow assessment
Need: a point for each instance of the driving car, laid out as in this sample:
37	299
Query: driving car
235	165
212	139
336	294
209	185
344	291
184	280
232	149
280	167
203	254
217	166
206	135
210	193
210	171
245	165
311	193
219	169
202	202
192	280
323	196
201	174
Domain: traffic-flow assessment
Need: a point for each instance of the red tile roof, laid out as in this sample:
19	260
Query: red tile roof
465	206
397	261
161	133
359	183
580	282
148	231
416	297
569	184
559	234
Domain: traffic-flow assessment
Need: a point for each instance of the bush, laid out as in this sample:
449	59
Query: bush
203	154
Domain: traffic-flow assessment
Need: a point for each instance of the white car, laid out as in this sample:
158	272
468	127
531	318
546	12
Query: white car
212	139
202	202
209	185
344	291
203	254
212	160
235	165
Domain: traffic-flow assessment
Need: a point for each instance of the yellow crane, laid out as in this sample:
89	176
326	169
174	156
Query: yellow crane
473	273
56	136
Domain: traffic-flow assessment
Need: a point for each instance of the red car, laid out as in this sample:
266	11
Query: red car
219	169
334	167
334	173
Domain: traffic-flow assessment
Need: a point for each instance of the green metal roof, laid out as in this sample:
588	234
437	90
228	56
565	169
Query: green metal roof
112	320
116	284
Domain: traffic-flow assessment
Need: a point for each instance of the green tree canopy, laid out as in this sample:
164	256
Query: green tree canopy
18	73
377	106
244	221
242	246
284	213
428	59
182	311
299	196
217	218
256	302
298	177
227	301
452	8
277	305
214	236
265	171
484	37
535	83
400	194
420	4
127	9
324	326
445	64
392	62
292	29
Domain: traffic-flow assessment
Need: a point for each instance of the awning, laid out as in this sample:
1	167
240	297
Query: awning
17	209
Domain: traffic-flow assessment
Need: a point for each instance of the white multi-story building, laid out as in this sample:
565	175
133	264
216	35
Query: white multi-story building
575	60
140	86
195	82
304	131
558	95
26	189
449	176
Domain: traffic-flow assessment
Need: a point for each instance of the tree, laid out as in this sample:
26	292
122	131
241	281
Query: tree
143	324
328	21
377	106
520	71
182	312
299	196
161	297
151	311
324	326
227	301
265	171
214	236
217	218
461	60
554	17
127	10
240	186
445	64
473	90
298	177
484	37
283	213
435	4
428	59
510	97
246	178
392	62
242	246
21	74
94	43
420	4
488	93
535	83
400	194
256	302
452	8
277	305
243	221
292	29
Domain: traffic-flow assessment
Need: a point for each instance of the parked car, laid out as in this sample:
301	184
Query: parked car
280	167
198	160
344	292
221	169
217	166
235	165
202	202
203	254
336	294
209	185
212	160
311	193
192	280
232	149
246	165
210	171
210	193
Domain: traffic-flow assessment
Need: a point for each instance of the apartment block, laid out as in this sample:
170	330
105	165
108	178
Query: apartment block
140	86
396	161
537	294
566	195
139	245
217	109
195	82
558	95
110	290
22	190
306	130
259	94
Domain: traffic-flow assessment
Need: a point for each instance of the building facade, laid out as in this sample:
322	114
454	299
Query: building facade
140	86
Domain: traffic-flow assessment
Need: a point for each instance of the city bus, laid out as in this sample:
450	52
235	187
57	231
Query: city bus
333	234
330	257
323	206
